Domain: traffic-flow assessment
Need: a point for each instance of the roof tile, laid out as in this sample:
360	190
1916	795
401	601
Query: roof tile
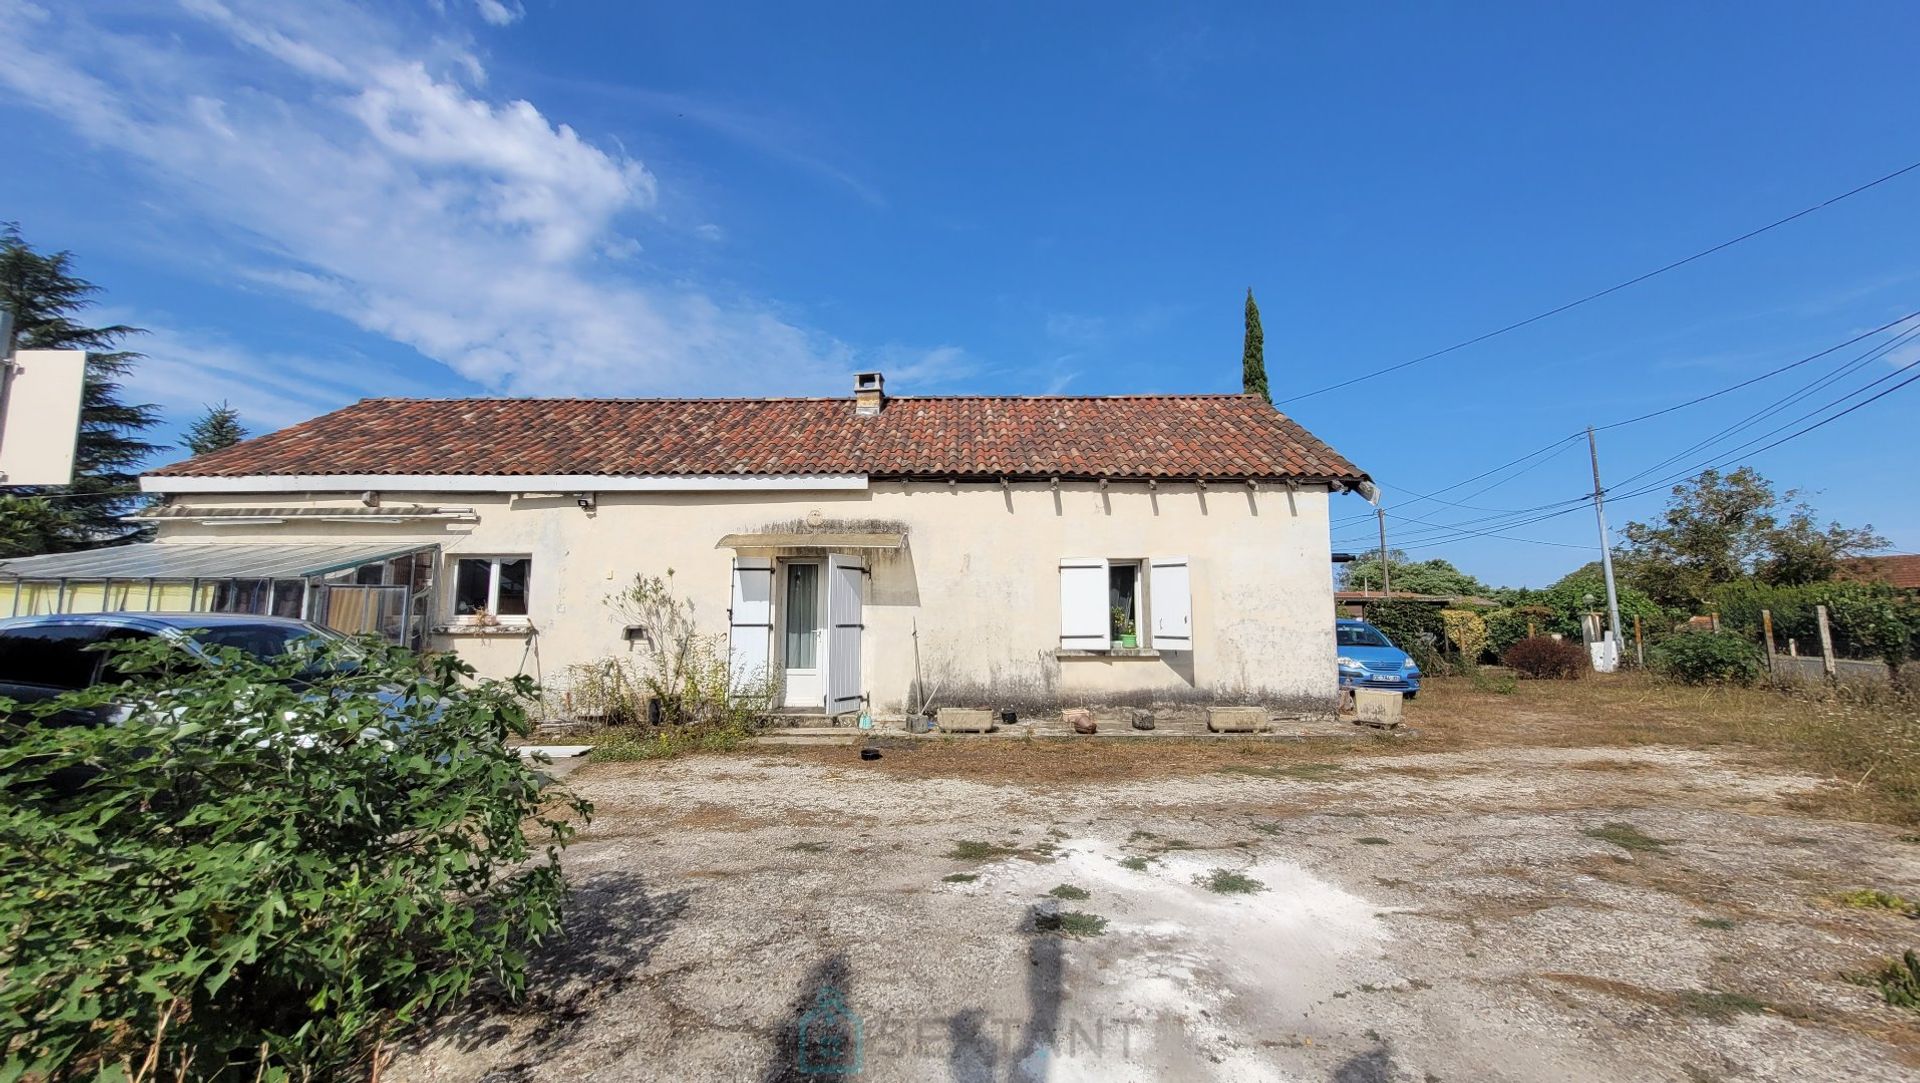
1122	436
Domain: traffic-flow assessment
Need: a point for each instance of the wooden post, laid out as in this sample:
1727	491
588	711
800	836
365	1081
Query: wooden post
1716	623
1826	644
1766	629
1533	630
1639	645
1793	647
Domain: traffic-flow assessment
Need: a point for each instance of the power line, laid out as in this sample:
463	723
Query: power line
1559	447
1763	376
1615	288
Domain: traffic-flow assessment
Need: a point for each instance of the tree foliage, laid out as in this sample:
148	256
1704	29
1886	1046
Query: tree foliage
1434	576
1721	529
273	867
218	428
47	300
1253	354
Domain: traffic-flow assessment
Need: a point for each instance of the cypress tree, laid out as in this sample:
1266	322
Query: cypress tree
1253	356
217	428
46	298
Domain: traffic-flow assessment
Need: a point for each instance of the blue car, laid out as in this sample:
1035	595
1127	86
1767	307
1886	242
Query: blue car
1368	659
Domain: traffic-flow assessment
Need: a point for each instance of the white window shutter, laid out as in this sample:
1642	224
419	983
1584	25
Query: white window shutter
750	637
1085	622
1170	597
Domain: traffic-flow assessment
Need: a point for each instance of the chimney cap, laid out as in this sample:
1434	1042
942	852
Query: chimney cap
868	381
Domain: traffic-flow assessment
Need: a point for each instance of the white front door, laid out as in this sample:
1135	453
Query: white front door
803	647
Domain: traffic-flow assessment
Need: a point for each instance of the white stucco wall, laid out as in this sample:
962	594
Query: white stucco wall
979	578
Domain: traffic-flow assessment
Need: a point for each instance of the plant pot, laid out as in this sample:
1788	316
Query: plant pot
1130	640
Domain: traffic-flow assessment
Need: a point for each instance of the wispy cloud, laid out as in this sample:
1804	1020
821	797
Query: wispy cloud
359	166
784	138
186	369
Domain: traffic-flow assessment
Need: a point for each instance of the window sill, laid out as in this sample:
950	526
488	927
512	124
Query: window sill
1111	652
504	628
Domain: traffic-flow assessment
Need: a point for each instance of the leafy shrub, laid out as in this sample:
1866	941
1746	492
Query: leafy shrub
687	672
1467	631
274	866
1705	658
1505	627
1414	627
1546	658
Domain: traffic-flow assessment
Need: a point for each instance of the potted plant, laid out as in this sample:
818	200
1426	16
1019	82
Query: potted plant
1123	628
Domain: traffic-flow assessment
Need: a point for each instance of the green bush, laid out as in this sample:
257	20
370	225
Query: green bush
1547	658
1414	627
1505	627
1706	658
274	868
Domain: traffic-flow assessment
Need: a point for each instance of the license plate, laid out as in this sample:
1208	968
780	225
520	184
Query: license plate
1379	677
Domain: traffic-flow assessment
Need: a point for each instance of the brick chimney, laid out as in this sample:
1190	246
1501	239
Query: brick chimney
869	393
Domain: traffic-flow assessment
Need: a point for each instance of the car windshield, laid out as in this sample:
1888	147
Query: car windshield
263	641
1359	635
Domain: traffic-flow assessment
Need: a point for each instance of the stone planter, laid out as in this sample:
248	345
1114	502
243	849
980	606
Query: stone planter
1236	719
965	720
1376	707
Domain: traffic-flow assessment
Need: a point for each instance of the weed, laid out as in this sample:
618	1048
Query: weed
1897	979
1180	844
1136	864
1068	891
1868	898
1713	923
1910	838
1627	837
807	848
975	850
1228	882
1371	840
1071	923
1719	1007
1268	827
1138	836
622	744
959	878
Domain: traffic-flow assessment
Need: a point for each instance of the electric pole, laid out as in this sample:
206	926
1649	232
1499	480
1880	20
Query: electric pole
1386	573
1606	545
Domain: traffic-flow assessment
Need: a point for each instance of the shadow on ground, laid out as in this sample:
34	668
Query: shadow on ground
612	926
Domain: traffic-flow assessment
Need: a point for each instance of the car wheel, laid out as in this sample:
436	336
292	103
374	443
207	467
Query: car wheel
1409	695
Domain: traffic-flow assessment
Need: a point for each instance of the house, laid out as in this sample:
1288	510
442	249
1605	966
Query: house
999	549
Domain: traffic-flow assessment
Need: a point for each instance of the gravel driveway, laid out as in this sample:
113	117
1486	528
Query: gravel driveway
1495	914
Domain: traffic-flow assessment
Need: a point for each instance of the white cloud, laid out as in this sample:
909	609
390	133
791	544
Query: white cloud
365	172
499	14
184	371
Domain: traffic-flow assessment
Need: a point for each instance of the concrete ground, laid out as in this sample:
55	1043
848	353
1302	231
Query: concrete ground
1534	913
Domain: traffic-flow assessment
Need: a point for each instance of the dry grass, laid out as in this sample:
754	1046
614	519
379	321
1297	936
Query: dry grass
1868	742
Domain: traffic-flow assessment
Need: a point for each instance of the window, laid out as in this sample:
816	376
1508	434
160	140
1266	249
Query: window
496	585
1101	599
50	656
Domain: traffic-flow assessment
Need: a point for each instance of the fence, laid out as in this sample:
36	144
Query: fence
1825	665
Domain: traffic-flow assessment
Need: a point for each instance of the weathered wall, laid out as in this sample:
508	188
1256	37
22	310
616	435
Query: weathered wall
979	579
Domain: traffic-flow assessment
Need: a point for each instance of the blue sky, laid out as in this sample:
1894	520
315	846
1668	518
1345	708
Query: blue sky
309	203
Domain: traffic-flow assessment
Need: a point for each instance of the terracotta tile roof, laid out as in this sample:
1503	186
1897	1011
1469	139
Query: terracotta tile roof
1902	571
1174	436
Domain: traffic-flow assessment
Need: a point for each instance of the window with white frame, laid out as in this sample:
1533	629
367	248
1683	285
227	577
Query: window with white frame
491	585
1108	604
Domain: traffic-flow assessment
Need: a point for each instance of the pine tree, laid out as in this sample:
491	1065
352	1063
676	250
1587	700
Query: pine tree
217	428
46	298
1253	356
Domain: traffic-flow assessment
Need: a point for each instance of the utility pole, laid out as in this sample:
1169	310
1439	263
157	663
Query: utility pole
1606	544
1386	573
